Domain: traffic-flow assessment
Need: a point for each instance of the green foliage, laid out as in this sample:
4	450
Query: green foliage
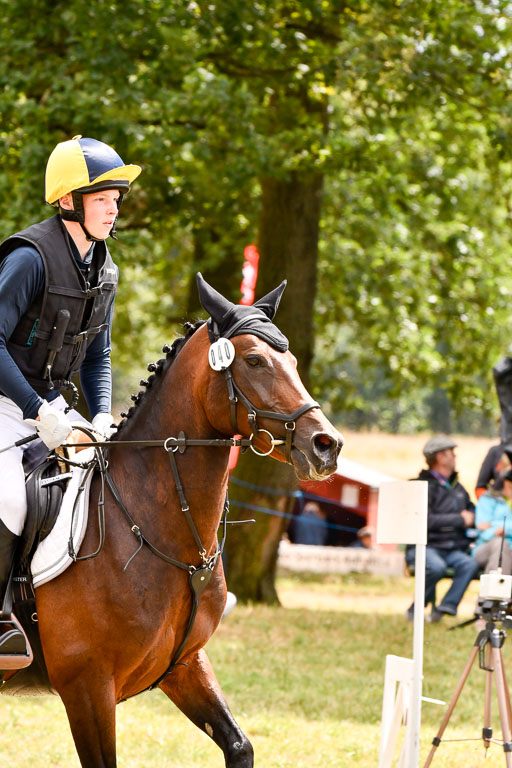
416	227
402	107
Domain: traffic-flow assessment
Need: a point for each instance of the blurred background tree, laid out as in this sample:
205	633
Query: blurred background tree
365	148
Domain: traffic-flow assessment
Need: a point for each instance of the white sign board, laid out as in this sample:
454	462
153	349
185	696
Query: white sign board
402	512
402	519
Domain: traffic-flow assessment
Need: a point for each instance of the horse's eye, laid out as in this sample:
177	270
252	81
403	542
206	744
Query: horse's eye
254	360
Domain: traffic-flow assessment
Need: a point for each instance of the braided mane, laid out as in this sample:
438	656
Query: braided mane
157	370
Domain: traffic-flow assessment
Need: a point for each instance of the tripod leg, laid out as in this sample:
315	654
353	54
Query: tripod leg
502	704
487	729
507	697
437	739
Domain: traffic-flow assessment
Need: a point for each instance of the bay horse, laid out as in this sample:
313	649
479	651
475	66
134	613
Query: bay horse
122	622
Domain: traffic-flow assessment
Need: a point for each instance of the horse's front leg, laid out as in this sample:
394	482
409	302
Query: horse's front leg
195	690
90	707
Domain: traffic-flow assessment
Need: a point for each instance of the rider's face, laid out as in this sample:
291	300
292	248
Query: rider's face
100	209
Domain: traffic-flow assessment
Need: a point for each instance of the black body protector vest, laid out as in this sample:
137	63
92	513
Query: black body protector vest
65	317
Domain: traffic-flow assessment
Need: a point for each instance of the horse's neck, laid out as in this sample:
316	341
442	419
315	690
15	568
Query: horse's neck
171	407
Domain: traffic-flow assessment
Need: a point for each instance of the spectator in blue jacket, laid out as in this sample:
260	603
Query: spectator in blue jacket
493	519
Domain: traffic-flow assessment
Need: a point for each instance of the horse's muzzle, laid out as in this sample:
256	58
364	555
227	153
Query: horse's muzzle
316	459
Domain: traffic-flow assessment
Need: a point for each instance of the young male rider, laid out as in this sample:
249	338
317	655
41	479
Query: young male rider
57	287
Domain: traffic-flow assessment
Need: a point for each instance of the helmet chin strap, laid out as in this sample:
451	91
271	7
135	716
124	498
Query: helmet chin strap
93	239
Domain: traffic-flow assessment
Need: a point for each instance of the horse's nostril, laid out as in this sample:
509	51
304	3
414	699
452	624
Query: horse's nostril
324	443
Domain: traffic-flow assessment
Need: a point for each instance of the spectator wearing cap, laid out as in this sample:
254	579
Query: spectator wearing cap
493	521
450	514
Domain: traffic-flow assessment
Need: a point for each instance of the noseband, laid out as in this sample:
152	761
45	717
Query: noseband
236	395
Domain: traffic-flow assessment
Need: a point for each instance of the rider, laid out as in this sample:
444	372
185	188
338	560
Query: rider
57	287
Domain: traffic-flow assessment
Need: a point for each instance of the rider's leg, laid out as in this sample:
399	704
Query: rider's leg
11	639
13	510
8	543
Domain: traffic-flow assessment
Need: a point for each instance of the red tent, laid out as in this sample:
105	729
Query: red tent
349	497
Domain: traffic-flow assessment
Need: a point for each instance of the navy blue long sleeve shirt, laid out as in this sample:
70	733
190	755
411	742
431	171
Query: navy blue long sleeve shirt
22	278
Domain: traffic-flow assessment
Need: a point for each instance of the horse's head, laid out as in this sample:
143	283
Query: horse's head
256	376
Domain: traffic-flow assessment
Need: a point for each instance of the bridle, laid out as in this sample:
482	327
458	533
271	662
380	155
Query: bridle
236	395
254	414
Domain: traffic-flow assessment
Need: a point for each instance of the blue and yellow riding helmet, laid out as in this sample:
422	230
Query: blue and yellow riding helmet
81	166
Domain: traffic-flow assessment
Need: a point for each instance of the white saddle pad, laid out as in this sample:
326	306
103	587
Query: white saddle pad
51	558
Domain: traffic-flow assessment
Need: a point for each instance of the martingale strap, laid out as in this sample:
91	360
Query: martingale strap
198	576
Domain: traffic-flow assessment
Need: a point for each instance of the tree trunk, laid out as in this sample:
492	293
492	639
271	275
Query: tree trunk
288	246
221	273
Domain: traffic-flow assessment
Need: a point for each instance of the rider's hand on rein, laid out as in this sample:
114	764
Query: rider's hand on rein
53	426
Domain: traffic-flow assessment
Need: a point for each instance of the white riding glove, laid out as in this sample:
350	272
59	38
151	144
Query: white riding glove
53	426
103	424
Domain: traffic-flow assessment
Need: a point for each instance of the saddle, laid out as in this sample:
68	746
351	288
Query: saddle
45	487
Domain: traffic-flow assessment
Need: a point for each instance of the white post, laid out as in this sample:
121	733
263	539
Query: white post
414	724
402	519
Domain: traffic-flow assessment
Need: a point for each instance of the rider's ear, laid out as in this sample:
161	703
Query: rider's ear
269	303
211	300
66	202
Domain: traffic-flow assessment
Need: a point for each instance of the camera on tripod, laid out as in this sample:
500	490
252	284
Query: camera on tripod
495	597
495	606
495	586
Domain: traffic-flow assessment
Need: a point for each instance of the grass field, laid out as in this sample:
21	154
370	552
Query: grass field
304	681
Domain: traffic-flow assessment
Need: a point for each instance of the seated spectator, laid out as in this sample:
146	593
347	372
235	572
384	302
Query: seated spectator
493	518
310	526
364	538
495	464
450	513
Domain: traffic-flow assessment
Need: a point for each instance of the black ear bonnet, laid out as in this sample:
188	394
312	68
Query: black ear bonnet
228	319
